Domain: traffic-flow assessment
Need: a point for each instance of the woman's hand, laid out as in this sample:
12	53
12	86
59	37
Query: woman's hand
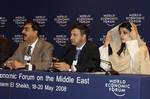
134	31
107	40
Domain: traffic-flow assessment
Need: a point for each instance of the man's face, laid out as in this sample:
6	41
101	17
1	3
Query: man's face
76	37
28	33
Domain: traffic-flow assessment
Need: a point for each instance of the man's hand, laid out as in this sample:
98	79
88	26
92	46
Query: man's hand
62	66
14	64
19	64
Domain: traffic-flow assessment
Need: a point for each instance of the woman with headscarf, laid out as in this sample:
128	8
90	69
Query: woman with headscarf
125	50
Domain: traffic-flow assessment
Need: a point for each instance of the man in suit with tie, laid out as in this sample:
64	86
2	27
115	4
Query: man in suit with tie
32	50
82	55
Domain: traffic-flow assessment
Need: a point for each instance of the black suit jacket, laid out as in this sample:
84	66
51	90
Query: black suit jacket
89	58
5	50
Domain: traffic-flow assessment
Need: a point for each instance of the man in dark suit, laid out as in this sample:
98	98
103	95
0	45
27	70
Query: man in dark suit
82	55
32	51
5	50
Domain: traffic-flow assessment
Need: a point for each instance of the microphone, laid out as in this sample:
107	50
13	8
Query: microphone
27	58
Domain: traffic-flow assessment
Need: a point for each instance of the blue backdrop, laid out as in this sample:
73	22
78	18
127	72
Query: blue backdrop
56	16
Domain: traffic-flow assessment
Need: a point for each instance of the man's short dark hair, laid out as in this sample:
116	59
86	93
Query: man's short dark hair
82	27
35	25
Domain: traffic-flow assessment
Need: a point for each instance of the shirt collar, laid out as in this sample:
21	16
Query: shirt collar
80	48
34	43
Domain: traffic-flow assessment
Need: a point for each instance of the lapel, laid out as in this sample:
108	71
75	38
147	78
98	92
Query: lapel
82	54
72	53
24	49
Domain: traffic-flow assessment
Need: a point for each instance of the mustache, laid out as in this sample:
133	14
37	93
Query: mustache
24	35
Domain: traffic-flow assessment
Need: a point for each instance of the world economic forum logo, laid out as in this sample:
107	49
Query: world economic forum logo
136	18
19	20
109	19
61	39
62	20
85	19
118	87
41	20
17	38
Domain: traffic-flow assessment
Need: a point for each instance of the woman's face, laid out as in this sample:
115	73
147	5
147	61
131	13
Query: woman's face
124	34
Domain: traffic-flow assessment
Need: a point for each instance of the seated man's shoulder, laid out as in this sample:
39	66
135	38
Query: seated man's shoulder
92	45
45	43
21	44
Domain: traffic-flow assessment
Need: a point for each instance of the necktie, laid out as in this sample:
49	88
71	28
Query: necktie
29	50
77	54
